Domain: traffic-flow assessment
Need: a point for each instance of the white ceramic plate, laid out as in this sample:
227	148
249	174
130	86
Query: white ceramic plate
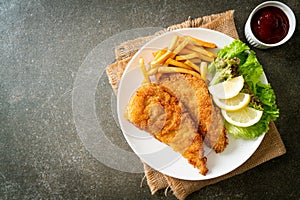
160	156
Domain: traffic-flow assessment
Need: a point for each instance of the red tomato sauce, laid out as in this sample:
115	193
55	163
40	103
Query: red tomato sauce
270	25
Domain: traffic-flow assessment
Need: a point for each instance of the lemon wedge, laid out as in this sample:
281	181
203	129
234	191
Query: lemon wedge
244	117
227	89
235	103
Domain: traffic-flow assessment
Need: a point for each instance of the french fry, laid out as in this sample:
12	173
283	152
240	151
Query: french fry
201	50
152	71
163	58
187	56
178	64
203	70
158	53
196	56
204	57
144	71
184	54
167	63
202	43
185	51
181	46
178	70
153	67
173	42
196	60
192	65
180	40
180	58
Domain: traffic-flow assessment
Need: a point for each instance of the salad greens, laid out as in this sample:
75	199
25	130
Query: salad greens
237	59
223	69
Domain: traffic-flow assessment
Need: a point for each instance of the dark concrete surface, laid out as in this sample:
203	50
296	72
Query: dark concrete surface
44	43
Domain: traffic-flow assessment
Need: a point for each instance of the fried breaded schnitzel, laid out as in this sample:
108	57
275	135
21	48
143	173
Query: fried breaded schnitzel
194	94
155	109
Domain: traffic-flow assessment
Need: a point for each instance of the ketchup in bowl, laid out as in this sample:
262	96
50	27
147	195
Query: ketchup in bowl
270	25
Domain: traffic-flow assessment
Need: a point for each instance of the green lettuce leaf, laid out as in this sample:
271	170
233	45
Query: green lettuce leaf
267	97
236	49
247	132
252	71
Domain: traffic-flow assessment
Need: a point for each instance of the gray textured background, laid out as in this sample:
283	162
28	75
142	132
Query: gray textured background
43	44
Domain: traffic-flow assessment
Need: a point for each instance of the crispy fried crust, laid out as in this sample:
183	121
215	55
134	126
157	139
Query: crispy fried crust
189	143
195	156
194	94
216	135
155	109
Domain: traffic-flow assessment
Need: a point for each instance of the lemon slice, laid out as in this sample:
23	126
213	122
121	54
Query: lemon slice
235	103
227	89
244	117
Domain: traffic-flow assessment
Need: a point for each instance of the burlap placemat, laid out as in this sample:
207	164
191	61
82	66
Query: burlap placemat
271	146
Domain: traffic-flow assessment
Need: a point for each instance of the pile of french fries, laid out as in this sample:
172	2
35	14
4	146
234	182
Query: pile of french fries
185	54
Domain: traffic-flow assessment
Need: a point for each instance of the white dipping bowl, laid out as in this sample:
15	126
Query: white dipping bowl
261	45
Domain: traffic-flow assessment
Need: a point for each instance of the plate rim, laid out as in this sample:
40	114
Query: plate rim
119	91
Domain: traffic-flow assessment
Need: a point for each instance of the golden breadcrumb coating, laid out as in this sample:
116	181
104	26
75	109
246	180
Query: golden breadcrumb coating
193	93
155	109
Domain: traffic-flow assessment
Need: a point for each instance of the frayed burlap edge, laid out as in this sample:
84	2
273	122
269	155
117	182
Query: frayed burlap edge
115	72
271	147
155	179
222	22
